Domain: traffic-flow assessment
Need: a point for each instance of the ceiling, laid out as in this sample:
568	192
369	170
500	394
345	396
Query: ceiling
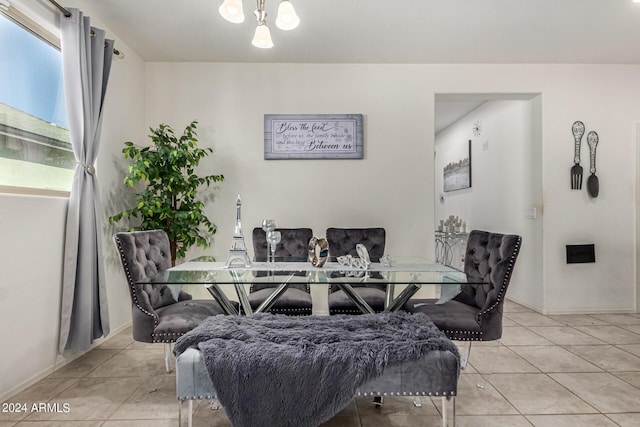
449	108
386	31
447	112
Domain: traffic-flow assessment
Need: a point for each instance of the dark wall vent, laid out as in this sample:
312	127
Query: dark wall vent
577	254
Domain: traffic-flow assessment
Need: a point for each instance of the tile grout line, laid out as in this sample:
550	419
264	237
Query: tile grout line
603	369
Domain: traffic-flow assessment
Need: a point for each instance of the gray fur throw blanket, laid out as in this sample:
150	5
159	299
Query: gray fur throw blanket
284	371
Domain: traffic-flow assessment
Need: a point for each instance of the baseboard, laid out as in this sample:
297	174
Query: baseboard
59	362
622	310
591	311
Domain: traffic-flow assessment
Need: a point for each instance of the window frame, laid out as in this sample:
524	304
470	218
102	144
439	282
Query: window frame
45	35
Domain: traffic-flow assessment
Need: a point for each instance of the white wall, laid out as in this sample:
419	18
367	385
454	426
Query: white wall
230	100
32	232
393	185
505	183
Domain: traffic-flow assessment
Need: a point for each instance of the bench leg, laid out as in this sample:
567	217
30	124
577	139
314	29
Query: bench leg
214	405
167	358
189	412
453	411
465	360
444	411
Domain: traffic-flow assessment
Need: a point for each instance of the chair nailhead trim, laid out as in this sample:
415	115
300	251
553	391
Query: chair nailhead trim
206	397
172	337
404	393
462	335
291	310
345	311
134	295
505	281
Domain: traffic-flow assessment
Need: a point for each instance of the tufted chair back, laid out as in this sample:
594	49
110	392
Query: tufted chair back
343	241
293	247
491	257
294	244
143	255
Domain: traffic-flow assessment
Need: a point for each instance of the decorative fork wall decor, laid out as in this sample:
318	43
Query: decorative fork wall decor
593	184
576	170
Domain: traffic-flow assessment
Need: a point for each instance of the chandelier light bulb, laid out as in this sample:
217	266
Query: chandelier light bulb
231	10
287	18
262	37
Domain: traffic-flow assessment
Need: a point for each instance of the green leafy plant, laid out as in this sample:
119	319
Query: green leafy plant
169	200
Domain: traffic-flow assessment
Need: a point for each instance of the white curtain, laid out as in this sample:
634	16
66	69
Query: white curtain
86	61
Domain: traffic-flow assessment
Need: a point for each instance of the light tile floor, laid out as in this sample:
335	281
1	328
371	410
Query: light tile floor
546	371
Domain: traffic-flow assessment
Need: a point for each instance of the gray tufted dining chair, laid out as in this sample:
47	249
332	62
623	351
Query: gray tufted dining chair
293	247
157	315
475	314
343	241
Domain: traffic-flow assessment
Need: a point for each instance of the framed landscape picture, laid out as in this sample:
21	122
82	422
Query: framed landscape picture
457	171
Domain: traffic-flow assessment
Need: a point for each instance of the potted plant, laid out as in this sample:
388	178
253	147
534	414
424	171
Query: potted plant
169	199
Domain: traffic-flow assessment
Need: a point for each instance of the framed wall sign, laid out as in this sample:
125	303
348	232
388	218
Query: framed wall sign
312	136
457	172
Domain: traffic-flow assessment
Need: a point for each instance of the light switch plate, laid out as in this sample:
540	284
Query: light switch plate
485	145
531	213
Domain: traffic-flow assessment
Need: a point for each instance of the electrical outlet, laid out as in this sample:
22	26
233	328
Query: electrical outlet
485	145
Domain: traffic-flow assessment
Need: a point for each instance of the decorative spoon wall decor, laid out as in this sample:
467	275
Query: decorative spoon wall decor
576	170
593	184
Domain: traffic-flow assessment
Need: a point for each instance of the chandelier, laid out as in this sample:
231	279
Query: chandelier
287	19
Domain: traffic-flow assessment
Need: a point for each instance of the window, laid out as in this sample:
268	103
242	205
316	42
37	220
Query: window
35	146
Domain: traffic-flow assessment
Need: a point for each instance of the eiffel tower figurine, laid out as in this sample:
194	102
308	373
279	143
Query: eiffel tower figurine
238	251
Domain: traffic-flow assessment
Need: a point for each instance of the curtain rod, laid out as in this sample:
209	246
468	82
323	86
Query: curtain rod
64	11
67	14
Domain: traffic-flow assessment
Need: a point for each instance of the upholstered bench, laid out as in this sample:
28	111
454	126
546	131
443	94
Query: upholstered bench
435	374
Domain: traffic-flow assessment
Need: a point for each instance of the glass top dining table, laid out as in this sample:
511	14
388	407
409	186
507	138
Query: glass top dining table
412	273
